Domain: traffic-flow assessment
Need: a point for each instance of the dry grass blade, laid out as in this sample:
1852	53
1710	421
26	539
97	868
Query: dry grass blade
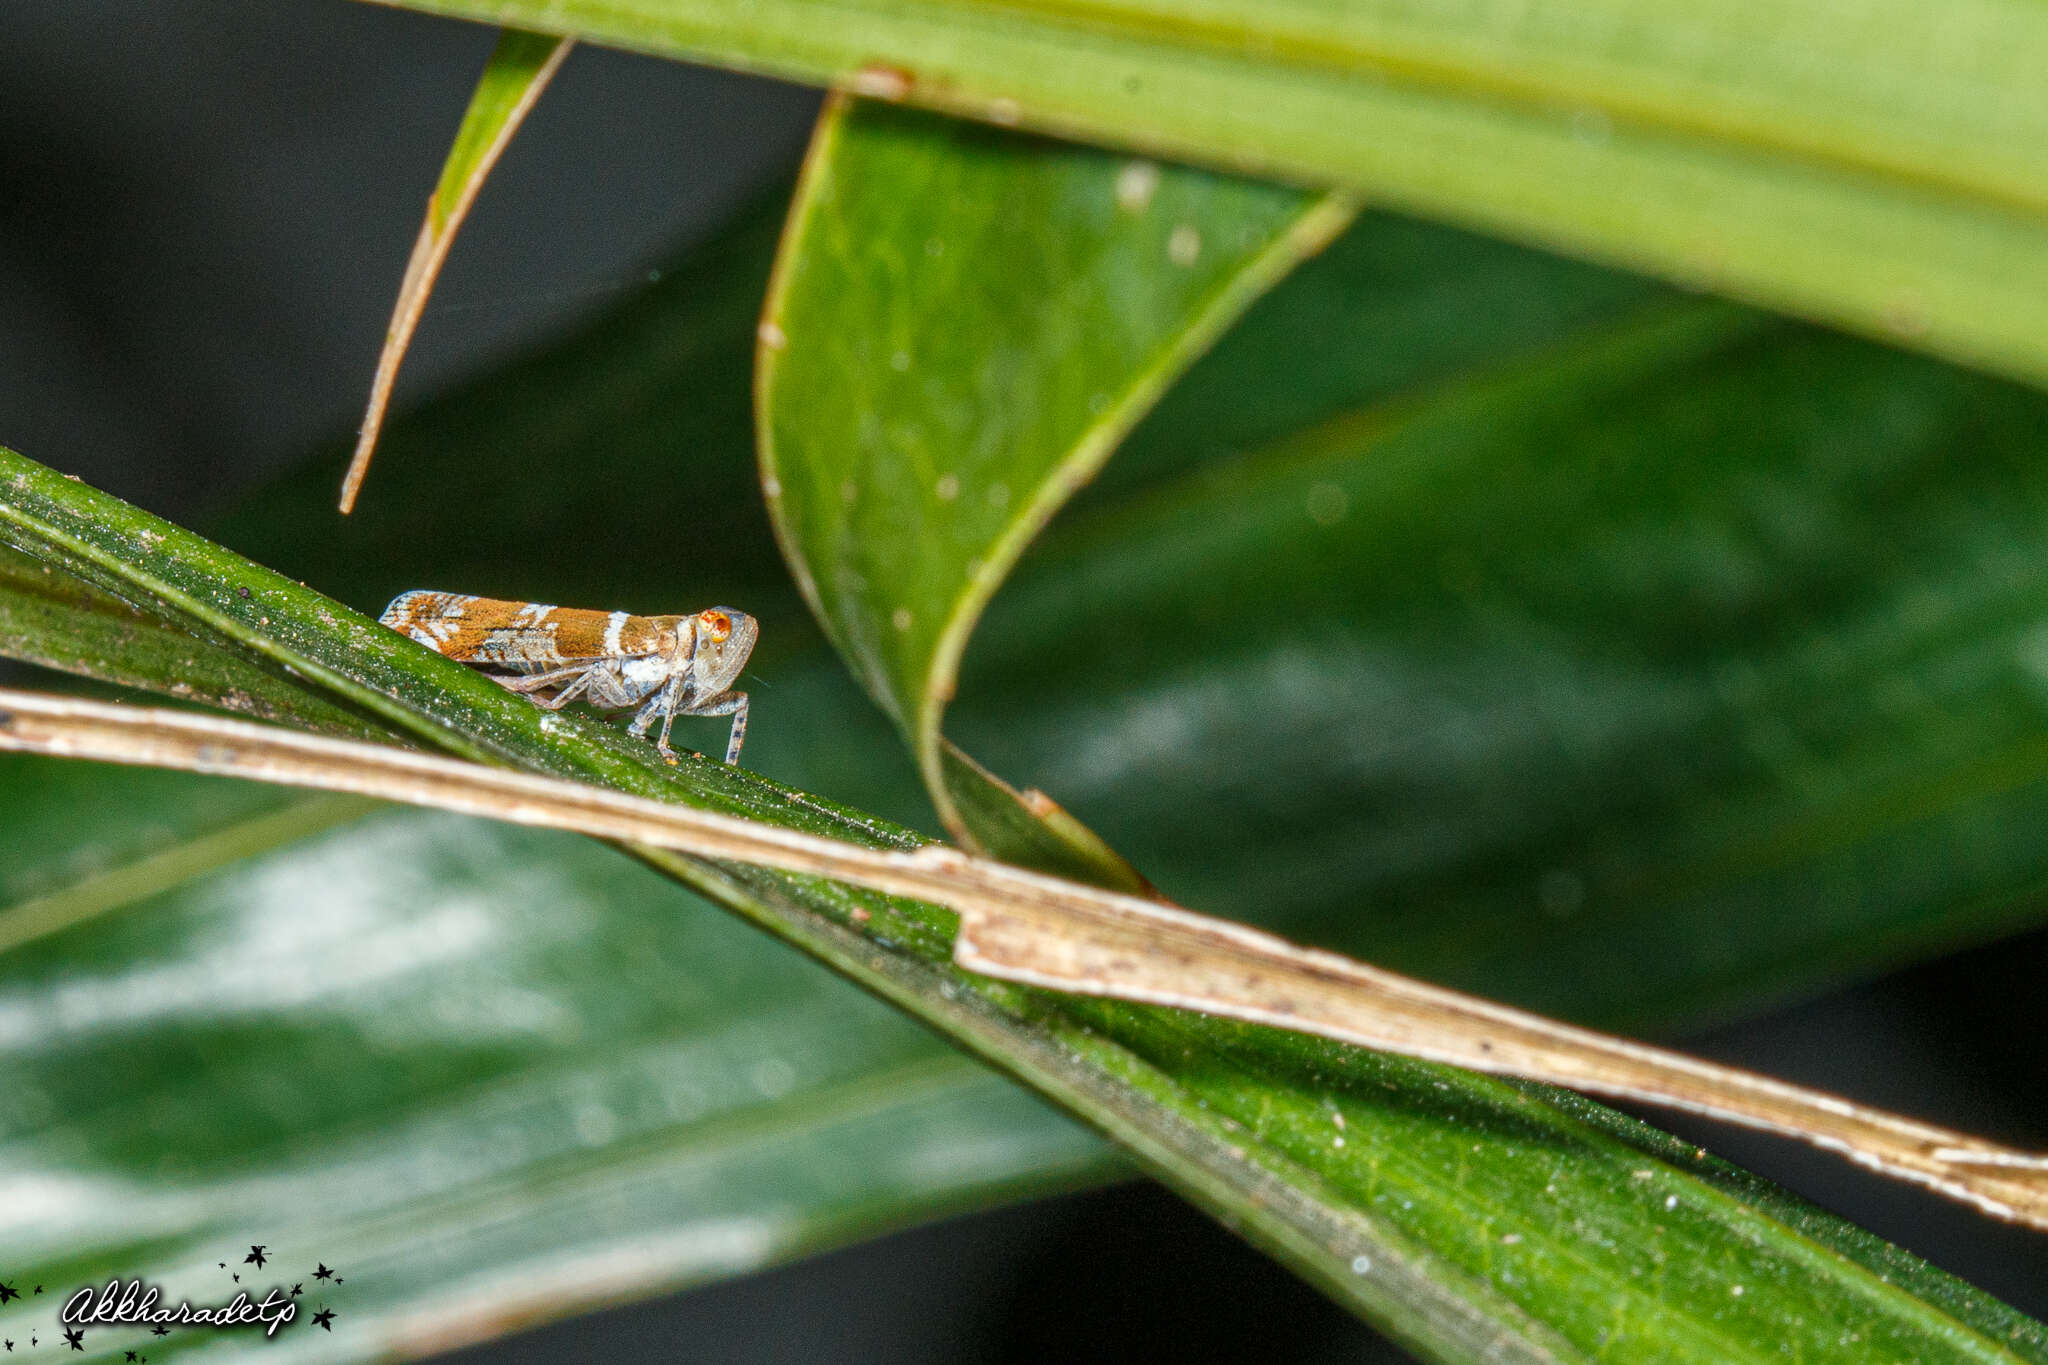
1043	931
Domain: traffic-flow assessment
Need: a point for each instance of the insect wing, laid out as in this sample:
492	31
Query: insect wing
486	631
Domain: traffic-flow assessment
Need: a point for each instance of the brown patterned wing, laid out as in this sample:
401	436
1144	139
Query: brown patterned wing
488	632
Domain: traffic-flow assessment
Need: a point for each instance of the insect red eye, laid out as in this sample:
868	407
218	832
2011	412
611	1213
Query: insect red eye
718	623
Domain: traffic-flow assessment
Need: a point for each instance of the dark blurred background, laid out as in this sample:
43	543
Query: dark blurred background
204	212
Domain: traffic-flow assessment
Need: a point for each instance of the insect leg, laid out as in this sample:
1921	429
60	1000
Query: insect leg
732	704
567	694
663	704
533	682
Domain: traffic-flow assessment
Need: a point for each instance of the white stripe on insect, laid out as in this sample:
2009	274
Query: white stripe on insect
613	625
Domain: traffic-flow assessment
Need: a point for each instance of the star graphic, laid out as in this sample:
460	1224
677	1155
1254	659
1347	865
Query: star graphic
255	1257
339	1280
39	1289
325	1318
10	1345
297	1290
159	1331
323	1272
8	1291
223	1265
238	1279
76	1336
131	1355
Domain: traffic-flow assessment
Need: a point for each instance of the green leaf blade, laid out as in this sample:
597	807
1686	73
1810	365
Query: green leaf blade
1882	175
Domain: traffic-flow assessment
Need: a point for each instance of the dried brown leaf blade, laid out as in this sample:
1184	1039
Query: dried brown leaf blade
1027	927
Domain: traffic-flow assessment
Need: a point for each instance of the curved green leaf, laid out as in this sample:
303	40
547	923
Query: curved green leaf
1075	287
1882	171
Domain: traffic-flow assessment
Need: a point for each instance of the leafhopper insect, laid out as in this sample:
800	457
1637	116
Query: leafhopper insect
668	666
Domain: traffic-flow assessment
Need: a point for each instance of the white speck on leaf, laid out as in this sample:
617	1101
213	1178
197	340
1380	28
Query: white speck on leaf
1136	183
1184	247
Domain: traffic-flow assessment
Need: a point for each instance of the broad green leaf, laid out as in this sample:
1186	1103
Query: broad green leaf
1691	657
1881	169
518	72
491	1075
1074	287
1468	1216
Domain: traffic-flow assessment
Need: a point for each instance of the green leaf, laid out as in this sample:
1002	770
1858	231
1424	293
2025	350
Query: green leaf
1533	648
63	622
1075	287
1886	174
1467	1216
1685	659
489	1074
